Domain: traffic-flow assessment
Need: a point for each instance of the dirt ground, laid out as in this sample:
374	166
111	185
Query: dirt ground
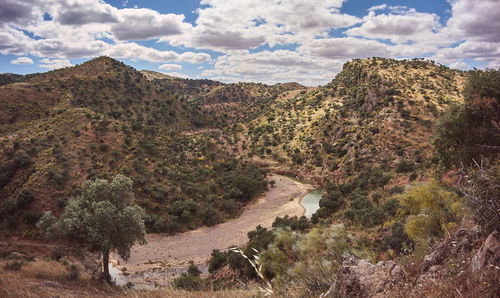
171	252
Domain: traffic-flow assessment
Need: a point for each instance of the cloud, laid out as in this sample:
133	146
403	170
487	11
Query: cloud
22	60
378	7
399	28
132	50
459	65
176	74
344	48
170	67
84	12
260	40
143	24
475	20
16	11
241	25
273	67
54	63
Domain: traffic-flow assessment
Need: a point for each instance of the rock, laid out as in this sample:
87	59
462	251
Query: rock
488	254
19	256
360	278
51	284
463	241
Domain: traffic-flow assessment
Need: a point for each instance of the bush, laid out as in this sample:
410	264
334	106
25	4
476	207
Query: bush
217	260
390	207
294	223
363	212
405	166
73	272
431	210
398	240
188	282
470	130
13	265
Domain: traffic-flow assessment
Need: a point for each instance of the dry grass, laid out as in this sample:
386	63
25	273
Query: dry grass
28	282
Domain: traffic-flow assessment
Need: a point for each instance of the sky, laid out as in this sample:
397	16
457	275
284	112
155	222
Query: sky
269	41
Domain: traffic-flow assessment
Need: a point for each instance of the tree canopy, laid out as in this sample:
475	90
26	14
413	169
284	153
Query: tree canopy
472	130
103	216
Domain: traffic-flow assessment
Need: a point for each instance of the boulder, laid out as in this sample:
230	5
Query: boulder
463	241
488	254
360	278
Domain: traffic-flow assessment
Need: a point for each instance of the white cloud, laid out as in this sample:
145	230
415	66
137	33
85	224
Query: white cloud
143	24
274	67
54	63
83	12
170	67
176	74
378	7
459	65
132	50
475	20
240	24
90	28
344	48
399	28
22	60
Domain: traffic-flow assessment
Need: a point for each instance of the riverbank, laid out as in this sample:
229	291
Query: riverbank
167	256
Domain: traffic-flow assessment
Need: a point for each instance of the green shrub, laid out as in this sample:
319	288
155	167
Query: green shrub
188	282
405	166
430	211
217	260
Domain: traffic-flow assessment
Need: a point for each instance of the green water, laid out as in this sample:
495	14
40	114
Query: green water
311	201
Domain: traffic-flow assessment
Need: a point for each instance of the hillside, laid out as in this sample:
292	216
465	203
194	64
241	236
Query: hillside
376	114
102	118
229	103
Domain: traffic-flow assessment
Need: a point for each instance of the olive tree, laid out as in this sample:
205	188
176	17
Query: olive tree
103	216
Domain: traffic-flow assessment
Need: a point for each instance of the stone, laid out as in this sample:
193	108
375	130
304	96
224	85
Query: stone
360	278
463	241
488	254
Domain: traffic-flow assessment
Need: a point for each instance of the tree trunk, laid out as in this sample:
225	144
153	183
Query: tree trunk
105	265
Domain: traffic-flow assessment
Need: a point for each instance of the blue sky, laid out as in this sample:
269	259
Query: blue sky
247	40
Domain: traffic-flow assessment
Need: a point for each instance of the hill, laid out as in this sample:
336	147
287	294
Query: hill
376	114
102	118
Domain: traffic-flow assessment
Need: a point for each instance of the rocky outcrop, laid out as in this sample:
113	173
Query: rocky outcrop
488	254
463	241
360	278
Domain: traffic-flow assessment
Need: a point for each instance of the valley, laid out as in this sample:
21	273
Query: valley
166	256
161	175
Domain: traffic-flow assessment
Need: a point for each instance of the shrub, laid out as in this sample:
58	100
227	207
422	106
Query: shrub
217	260
398	240
13	265
431	211
470	130
405	166
294	223
188	282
